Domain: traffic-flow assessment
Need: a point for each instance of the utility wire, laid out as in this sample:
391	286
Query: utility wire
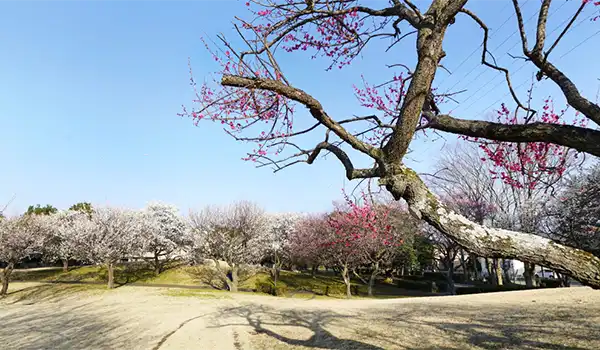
476	91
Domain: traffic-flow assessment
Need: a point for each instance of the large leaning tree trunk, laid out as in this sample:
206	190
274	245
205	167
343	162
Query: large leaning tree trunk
492	242
255	76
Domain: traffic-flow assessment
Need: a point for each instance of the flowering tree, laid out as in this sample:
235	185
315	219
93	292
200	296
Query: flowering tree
19	238
58	241
106	237
233	234
279	229
532	170
364	230
254	93
164	232
307	241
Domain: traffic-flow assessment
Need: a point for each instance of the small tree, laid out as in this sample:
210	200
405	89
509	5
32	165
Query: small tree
108	236
307	241
164	233
369	228
59	242
19	238
233	234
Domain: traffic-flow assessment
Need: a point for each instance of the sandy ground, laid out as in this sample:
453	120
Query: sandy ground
63	317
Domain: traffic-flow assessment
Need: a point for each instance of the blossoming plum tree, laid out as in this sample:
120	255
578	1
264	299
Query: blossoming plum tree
255	95
233	234
364	235
164	232
280	227
19	238
105	237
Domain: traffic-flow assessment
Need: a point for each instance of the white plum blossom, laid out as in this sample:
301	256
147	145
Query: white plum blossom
20	237
164	233
109	235
233	234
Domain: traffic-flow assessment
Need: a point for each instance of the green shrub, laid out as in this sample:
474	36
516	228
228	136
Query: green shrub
488	288
434	276
424	286
264	287
550	283
335	289
280	290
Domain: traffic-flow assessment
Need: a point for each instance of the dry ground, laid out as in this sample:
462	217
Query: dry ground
42	316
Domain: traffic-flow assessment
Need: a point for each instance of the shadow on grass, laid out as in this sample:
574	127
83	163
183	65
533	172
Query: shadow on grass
47	292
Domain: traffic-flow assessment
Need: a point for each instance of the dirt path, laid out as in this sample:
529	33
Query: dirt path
47	316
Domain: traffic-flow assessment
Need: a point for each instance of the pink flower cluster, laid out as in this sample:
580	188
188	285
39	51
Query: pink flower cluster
362	224
240	109
527	165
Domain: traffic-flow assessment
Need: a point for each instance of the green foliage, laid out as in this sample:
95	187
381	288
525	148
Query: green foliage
420	285
336	289
550	283
39	210
83	207
268	287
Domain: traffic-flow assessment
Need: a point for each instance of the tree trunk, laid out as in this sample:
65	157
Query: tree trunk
313	271
6	272
233	287
111	275
528	274
499	271
346	277
489	263
449	277
403	182
157	267
374	274
275	274
65	263
465	268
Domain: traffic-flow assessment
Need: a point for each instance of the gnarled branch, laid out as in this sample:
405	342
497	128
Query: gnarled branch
582	139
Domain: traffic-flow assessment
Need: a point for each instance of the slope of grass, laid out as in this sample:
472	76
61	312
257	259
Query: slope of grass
293	284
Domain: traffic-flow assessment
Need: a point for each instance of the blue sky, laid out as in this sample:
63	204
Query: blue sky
90	91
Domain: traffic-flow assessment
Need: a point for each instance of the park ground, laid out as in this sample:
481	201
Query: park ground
39	315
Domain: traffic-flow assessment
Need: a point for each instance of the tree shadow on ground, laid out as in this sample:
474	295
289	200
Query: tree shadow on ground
45	292
421	326
62	328
560	327
263	320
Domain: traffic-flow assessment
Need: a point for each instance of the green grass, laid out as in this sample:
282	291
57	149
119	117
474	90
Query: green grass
51	292
296	285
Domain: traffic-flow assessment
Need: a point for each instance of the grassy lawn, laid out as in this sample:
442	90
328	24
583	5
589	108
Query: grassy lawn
294	284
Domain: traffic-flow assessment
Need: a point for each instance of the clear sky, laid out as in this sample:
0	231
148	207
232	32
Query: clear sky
90	91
